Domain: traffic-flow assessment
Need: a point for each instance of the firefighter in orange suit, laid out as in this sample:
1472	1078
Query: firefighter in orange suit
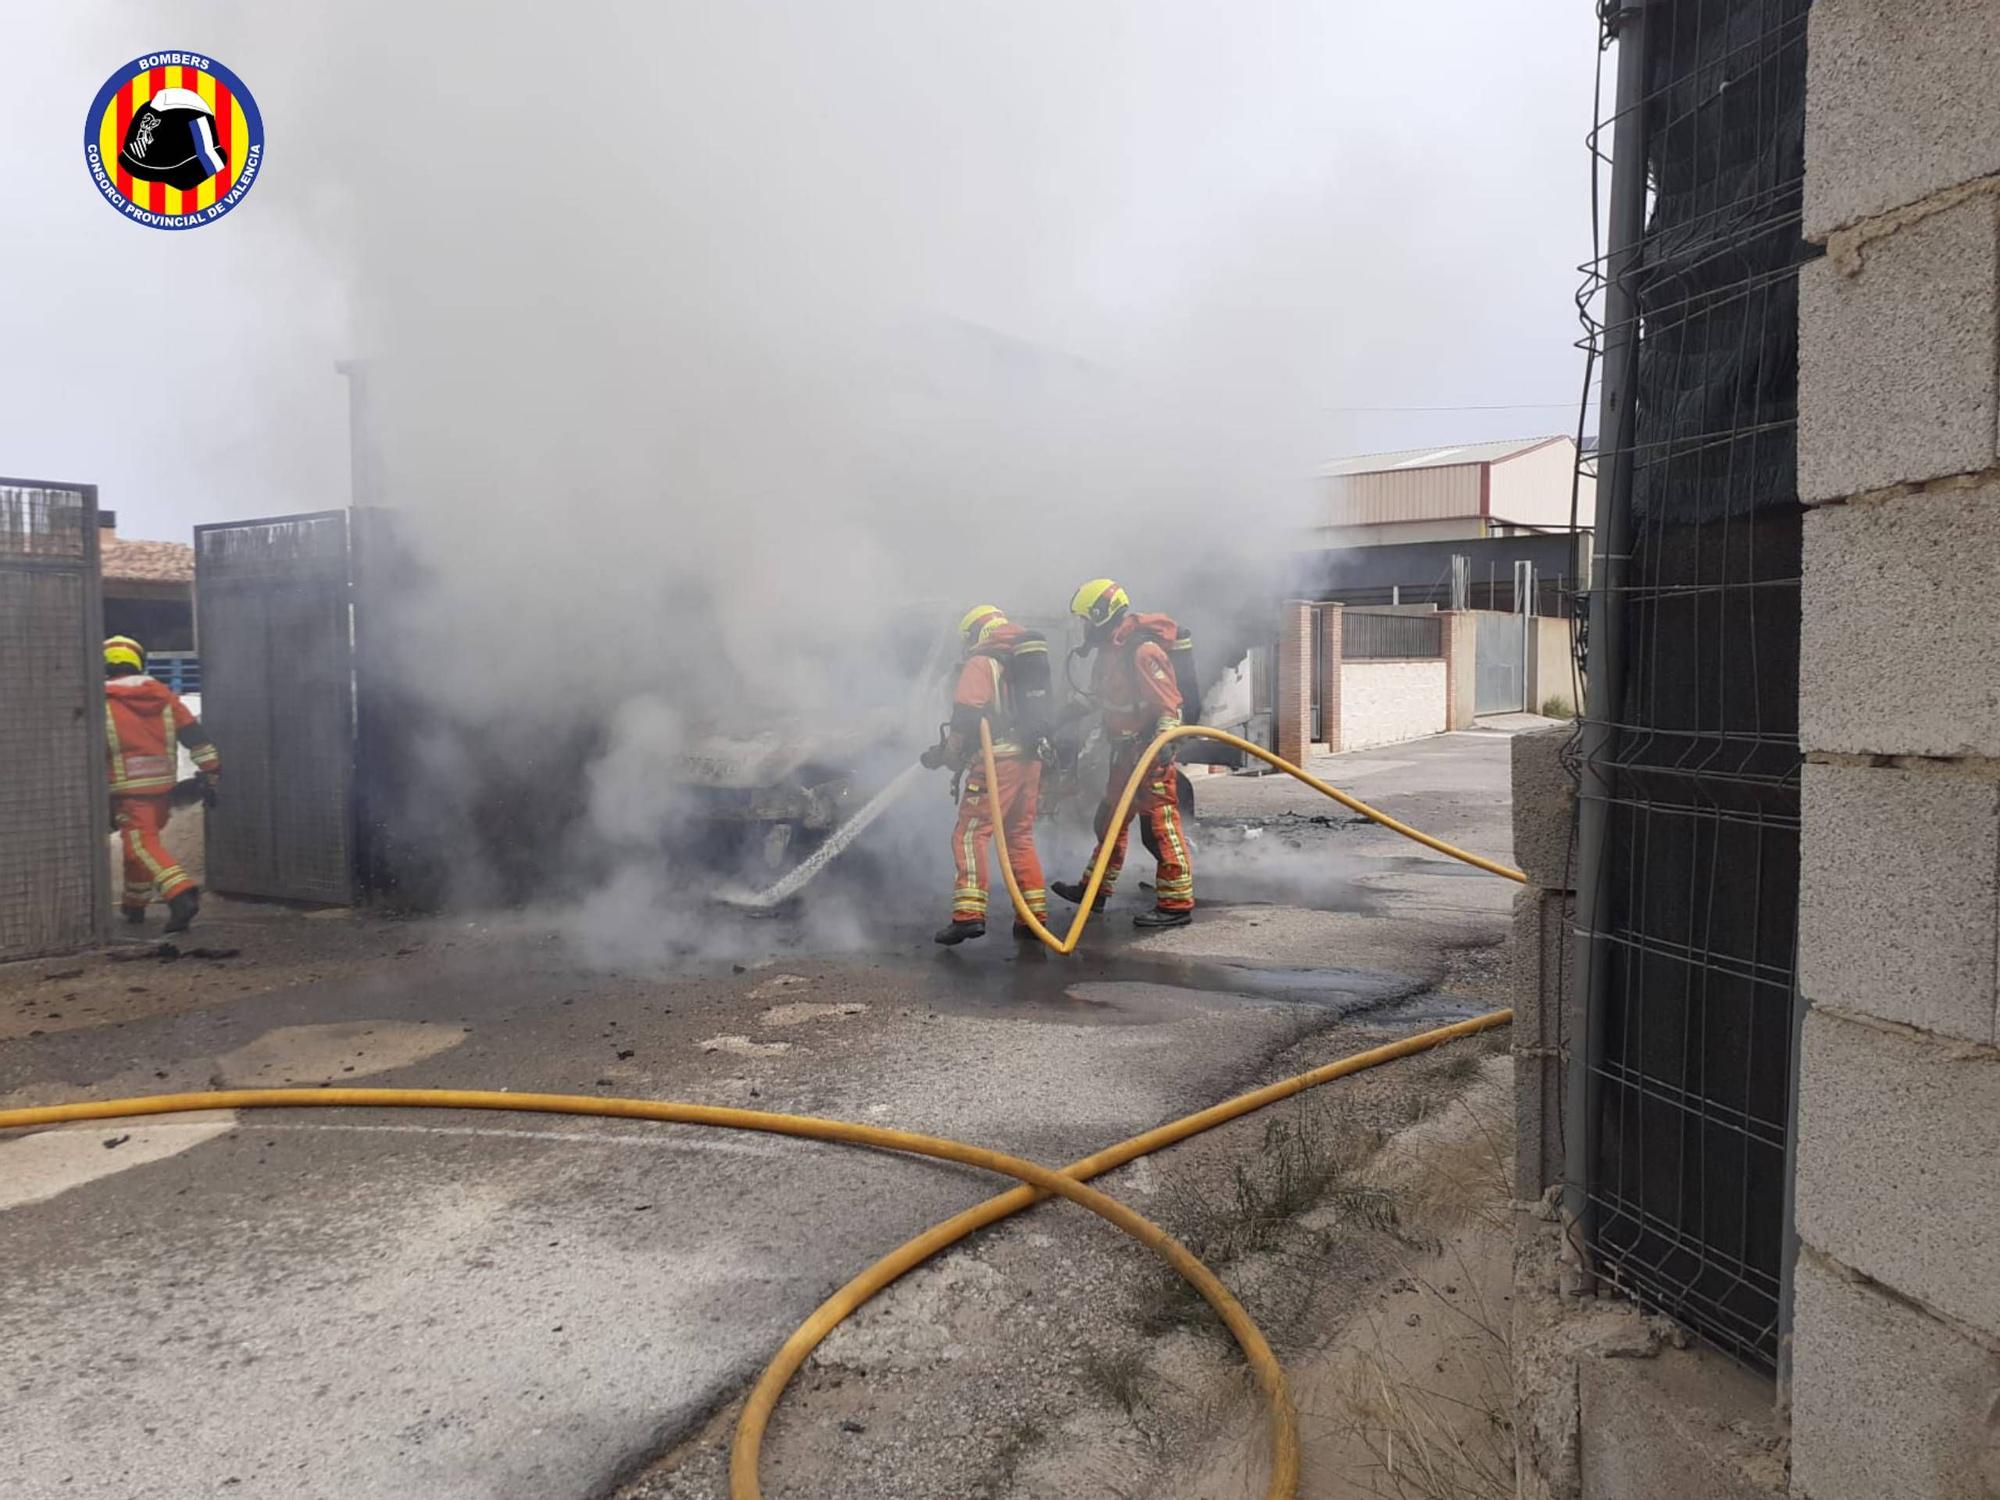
1005	682
1135	683
145	724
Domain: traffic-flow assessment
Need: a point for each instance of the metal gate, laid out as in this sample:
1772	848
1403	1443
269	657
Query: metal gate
275	629
1500	664
54	860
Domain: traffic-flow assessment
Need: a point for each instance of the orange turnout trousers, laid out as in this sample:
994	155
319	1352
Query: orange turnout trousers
148	866
1019	797
1173	887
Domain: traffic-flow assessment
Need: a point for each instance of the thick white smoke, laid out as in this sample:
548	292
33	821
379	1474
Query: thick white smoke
700	340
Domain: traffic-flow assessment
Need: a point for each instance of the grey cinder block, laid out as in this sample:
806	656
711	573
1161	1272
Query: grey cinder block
1886	1400
1898	1137
1544	808
1898	913
1899	365
1899	652
1900	104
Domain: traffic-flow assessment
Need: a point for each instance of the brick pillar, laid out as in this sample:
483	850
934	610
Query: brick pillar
1291	693
1329	674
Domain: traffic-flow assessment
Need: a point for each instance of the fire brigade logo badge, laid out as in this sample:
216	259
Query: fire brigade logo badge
173	140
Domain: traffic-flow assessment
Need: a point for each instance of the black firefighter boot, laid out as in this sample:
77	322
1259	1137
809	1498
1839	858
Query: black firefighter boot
957	931
1163	916
1072	892
182	909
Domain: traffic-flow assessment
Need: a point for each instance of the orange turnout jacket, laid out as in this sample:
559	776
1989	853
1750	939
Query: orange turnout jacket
983	688
1133	680
145	723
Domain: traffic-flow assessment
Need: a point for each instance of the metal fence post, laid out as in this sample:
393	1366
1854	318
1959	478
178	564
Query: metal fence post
1604	688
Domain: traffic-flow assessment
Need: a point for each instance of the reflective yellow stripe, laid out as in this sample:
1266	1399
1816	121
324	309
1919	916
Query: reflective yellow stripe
167	879
973	880
173	737
112	748
136	847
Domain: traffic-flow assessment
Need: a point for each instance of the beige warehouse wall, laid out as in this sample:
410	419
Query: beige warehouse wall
1465	529
1403	495
1533	488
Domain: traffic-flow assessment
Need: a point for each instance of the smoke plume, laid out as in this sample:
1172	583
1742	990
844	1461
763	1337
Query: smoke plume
699	345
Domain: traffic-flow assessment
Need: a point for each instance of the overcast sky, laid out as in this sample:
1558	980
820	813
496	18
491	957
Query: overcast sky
1362	206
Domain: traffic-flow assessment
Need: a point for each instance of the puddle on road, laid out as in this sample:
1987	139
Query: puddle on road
1120	987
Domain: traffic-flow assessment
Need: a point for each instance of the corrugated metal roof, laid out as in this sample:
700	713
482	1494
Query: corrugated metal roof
1434	458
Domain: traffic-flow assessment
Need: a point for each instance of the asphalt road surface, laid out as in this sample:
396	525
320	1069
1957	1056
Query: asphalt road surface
387	1304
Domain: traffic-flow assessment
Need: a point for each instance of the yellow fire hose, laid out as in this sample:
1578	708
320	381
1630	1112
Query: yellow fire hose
743	1483
764	1396
1038	1182
1123	810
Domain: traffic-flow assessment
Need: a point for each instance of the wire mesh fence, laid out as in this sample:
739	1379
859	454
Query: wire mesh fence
54	865
1679	1105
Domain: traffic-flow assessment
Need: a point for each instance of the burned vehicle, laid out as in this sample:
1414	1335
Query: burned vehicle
759	796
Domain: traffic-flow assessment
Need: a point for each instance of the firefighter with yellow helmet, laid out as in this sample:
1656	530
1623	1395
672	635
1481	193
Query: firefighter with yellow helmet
145	724
1005	681
1137	682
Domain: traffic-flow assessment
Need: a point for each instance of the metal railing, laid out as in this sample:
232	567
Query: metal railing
179	670
1367	636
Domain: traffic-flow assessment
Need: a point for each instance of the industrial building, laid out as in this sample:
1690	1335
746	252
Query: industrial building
1459	527
1461	492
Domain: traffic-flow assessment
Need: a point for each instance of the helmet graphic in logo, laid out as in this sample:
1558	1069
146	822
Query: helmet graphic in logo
173	140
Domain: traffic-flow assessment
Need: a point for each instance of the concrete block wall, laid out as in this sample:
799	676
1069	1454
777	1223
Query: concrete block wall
1538	953
1895	1357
